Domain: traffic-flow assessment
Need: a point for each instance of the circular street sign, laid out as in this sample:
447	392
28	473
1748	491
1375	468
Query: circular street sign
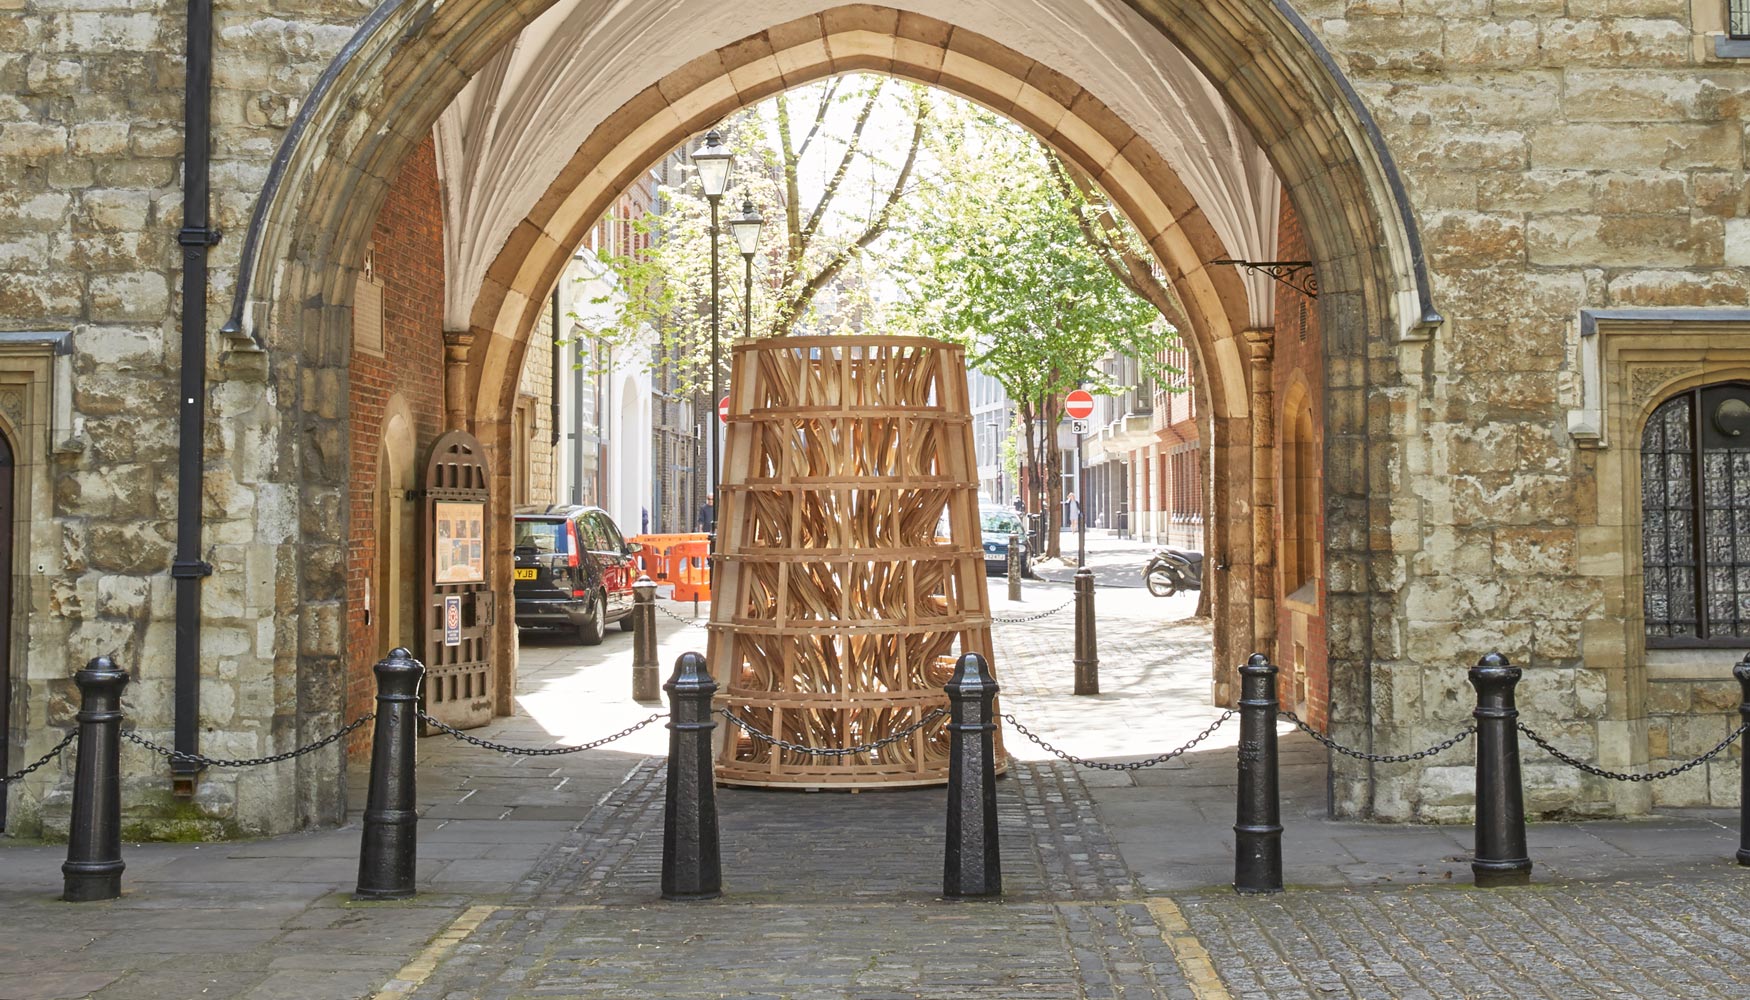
1079	404
723	410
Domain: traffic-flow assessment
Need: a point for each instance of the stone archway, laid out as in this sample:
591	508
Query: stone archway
380	99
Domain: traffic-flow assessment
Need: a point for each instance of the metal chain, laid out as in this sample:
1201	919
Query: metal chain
782	744
678	618
1135	765
1019	619
72	734
195	758
535	751
1617	775
1380	758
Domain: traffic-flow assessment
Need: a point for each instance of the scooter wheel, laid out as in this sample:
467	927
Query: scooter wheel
1161	583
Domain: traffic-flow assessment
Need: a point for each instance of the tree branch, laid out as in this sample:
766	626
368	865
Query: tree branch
844	167
826	97
786	315
1134	270
792	212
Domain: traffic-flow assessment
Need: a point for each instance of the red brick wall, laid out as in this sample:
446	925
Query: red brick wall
409	256
1299	361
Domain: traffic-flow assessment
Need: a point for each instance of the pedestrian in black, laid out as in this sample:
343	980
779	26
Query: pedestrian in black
707	515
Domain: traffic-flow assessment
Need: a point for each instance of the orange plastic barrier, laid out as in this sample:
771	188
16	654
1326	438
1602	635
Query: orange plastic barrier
657	560
690	566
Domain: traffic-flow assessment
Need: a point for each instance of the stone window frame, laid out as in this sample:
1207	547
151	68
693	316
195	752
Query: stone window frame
36	412
1630	361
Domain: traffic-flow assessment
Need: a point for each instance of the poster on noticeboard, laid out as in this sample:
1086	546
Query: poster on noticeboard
459	554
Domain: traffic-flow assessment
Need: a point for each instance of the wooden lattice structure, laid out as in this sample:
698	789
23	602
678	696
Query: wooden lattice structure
839	606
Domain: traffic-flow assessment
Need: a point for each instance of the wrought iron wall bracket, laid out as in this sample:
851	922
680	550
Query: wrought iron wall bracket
1296	274
190	569
195	236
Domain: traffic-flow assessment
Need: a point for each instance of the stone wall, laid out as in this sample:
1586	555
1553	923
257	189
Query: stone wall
1560	157
89	208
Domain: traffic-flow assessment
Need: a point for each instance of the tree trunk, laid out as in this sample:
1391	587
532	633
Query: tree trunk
1051	469
1029	469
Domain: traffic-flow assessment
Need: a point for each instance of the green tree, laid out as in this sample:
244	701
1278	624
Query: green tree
1004	252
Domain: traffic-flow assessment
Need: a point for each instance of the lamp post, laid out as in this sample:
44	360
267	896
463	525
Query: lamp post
712	161
746	230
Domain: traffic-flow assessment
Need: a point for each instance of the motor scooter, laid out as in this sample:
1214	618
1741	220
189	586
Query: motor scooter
1172	570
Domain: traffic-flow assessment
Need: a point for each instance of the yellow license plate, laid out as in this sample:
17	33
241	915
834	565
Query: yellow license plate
525	574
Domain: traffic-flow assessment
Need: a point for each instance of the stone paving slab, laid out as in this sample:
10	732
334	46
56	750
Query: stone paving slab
825	895
1646	940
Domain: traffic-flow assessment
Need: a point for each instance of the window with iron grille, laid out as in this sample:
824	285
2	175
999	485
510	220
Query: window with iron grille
1738	18
1695	518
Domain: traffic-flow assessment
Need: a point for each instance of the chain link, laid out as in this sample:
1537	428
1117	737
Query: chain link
782	744
66	740
535	751
1020	619
1135	765
1380	758
1619	776
195	758
678	618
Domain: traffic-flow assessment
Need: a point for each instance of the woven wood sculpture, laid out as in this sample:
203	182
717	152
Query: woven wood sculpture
838	607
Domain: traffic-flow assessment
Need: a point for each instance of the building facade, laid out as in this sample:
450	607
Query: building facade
1526	222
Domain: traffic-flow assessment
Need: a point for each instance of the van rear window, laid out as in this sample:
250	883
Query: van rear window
544	537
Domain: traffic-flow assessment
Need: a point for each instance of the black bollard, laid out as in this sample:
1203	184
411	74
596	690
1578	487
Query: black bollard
1501	857
1014	562
1258	823
646	682
389	848
1742	672
692	867
973	864
1087	652
94	865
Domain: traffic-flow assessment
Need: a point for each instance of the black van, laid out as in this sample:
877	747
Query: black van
574	572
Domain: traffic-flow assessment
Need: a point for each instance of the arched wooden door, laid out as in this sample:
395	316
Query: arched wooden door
459	608
7	466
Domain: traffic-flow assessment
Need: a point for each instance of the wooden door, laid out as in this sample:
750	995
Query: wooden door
459	607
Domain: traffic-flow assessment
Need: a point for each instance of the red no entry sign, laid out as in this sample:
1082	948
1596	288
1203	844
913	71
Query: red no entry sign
1079	404
723	410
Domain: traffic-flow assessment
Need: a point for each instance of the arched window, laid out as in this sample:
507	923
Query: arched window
1695	518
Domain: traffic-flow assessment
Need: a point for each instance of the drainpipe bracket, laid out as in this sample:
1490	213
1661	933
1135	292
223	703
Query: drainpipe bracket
190	569
195	236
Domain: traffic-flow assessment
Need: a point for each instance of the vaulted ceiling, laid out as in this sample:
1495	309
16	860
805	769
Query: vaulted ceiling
505	139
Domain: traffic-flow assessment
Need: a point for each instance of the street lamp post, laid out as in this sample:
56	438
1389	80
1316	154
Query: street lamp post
746	230
713	160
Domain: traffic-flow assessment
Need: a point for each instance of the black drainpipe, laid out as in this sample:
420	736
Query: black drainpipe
195	237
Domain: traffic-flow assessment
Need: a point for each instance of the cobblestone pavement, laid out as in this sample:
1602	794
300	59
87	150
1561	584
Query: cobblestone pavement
540	878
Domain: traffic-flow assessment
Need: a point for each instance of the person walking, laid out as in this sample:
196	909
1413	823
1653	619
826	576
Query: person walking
707	521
